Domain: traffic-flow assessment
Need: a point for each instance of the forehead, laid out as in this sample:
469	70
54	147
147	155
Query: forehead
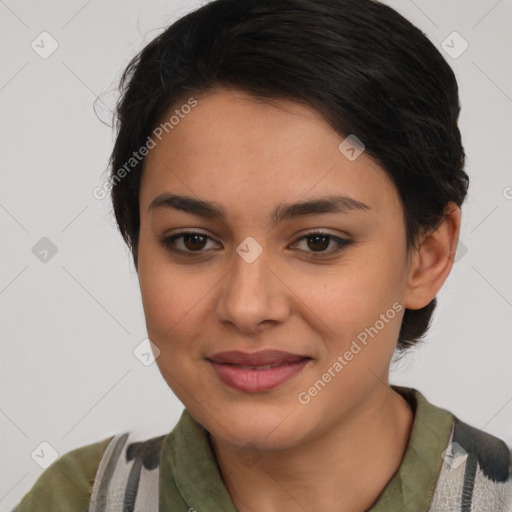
250	155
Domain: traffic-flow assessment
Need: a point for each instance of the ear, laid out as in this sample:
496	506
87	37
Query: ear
431	263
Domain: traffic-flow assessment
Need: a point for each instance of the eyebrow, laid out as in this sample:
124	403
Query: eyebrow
212	210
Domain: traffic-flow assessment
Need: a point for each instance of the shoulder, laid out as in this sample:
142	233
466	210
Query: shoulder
67	483
476	473
128	473
492	454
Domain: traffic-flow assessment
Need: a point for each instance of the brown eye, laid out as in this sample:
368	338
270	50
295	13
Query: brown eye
194	242
190	242
318	241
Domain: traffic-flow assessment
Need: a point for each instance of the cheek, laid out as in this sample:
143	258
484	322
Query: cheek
359	301
167	301
355	292
163	292
174	297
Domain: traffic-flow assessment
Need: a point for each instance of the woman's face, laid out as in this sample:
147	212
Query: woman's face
253	280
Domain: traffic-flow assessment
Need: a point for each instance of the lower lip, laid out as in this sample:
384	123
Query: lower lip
253	381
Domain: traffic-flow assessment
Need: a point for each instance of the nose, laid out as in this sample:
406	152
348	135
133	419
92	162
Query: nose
253	296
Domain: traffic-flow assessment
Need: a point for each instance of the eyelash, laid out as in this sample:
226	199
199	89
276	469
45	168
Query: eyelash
168	242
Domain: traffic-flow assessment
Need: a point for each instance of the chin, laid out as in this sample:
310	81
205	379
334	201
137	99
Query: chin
265	428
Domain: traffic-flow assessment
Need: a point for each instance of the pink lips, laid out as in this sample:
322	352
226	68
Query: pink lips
256	371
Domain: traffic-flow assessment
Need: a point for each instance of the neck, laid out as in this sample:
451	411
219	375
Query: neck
344	470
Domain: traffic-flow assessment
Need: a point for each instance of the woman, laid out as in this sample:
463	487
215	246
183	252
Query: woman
289	177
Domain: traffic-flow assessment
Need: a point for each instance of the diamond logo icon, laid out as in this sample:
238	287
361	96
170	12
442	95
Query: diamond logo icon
44	45
44	455
249	455
146	352
249	250
462	250
44	250
455	45
454	455
351	148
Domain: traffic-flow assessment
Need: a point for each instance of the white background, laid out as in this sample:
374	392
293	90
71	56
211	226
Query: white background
69	326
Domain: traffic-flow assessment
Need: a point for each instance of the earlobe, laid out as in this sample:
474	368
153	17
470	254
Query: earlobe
432	262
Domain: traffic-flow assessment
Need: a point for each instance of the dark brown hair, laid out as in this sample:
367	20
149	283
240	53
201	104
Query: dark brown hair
362	65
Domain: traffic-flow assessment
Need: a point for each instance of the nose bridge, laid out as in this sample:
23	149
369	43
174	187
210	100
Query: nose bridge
251	293
250	268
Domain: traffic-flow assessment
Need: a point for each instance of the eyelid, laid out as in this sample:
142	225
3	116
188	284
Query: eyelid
168	240
341	242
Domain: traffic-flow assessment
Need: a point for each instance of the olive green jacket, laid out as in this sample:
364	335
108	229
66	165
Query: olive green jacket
448	466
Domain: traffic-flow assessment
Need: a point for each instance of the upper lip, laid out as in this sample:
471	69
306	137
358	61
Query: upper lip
261	358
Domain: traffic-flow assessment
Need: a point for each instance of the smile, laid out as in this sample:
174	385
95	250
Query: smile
257	378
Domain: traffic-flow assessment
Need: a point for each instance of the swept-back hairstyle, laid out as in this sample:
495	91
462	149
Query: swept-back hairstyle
359	63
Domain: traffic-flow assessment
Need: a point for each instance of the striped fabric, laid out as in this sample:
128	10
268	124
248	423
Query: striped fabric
476	475
127	477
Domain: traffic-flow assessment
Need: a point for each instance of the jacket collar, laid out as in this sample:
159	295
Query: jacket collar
189	471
